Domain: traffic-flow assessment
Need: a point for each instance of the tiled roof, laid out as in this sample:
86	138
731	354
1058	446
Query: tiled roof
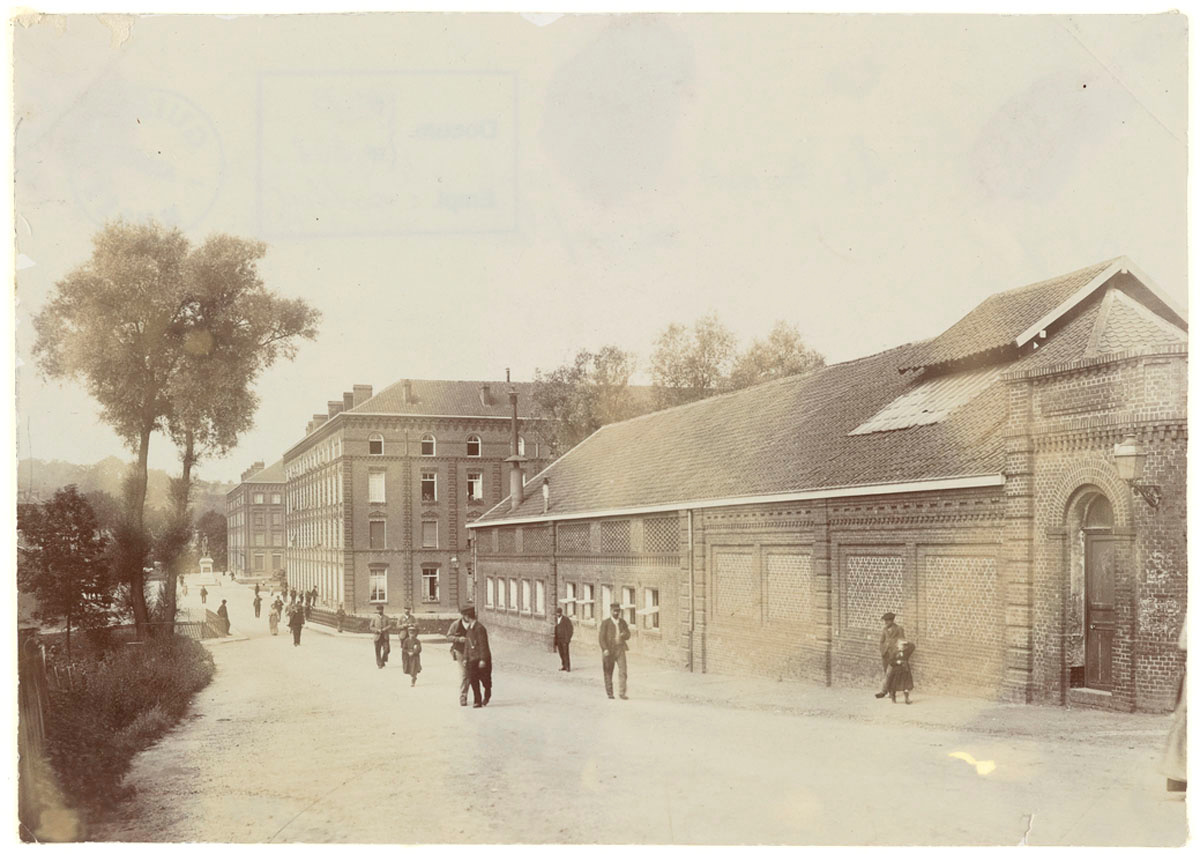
999	319
799	434
1128	325
271	474
788	435
450	397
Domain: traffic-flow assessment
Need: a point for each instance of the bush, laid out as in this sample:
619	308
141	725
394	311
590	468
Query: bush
125	704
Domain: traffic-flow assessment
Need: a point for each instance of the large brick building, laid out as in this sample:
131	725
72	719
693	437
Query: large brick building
380	489
256	522
971	483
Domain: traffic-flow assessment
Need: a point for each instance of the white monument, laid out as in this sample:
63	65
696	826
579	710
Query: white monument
206	566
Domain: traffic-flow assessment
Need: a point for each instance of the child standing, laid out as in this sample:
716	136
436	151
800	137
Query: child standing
899	676
410	649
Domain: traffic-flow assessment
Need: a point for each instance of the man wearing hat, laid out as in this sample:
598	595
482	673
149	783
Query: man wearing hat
379	628
563	630
478	657
614	635
889	642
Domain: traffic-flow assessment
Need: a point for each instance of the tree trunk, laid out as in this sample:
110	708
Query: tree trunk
136	559
181	499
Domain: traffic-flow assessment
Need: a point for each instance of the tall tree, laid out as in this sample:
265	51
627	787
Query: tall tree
236	328
576	399
167	338
782	353
62	560
688	365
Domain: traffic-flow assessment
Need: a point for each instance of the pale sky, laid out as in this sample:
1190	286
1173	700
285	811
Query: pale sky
459	194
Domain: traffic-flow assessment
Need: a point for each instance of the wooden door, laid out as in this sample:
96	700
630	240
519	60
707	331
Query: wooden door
1101	570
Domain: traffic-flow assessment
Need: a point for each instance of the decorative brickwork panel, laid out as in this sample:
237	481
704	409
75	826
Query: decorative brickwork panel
574	538
614	536
661	534
536	540
506	541
874	584
486	543
789	587
961	599
736	588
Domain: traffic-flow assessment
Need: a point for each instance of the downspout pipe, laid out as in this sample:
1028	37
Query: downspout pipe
692	595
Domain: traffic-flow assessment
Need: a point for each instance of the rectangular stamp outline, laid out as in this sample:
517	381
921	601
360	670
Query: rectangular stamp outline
396	232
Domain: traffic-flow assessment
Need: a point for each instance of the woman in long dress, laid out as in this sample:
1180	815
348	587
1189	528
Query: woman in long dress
410	649
1174	761
273	620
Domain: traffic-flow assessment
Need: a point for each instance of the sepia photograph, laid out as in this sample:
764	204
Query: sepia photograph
600	429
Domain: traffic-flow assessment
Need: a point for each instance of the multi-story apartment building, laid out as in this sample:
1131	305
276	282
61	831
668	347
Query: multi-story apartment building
381	488
256	522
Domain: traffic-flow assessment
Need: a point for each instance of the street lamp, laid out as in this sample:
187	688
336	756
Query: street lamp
1130	459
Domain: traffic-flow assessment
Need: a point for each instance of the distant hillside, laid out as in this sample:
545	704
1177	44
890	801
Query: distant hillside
106	476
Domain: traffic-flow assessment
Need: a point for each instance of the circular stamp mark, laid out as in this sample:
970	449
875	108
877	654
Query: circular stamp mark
145	153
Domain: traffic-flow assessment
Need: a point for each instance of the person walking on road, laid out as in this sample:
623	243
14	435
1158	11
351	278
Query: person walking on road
256	588
273	620
341	617
614	641
203	594
379	630
457	635
223	613
889	642
563	630
296	623
257	605
407	620
899	675
479	657
410	652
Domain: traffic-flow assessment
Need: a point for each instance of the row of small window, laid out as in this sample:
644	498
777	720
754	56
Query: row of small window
518	595
429	445
261	498
377	488
377	534
430	584
260	538
316	493
322	533
580	601
260	519
327	451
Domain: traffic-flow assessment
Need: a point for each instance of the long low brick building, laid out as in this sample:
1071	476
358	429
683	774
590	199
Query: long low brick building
980	484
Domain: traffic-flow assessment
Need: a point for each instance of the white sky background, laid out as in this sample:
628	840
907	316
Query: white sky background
871	178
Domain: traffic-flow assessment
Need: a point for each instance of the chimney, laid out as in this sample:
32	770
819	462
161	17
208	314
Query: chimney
485	395
319	419
545	495
347	401
308	428
335	406
406	391
254	469
516	486
362	393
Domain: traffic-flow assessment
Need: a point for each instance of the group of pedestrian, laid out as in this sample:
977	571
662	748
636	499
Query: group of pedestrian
614	643
470	650
410	644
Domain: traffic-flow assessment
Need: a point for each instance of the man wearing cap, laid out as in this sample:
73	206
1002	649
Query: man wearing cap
614	635
478	658
888	643
379	628
563	630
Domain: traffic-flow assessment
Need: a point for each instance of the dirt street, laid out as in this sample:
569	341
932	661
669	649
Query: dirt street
315	744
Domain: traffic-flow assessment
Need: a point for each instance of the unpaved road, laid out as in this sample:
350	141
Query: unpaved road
314	744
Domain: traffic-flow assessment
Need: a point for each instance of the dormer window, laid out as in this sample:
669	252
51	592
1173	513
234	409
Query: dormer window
474	446
375	444
428	445
520	446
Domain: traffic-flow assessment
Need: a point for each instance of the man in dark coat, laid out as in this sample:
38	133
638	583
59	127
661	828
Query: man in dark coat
296	623
380	626
889	642
562	638
614	637
479	657
223	613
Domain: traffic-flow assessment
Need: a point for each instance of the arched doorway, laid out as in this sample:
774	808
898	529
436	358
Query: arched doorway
1100	569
